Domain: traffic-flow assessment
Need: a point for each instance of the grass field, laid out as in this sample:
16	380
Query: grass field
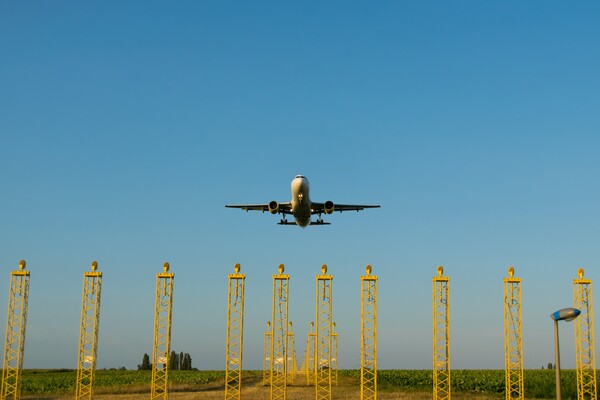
208	385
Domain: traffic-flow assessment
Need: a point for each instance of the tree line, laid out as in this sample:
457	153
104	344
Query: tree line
177	362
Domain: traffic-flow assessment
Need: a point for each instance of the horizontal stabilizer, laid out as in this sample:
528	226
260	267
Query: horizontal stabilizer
294	223
287	223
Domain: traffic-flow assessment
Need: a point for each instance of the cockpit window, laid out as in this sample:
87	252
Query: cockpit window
300	176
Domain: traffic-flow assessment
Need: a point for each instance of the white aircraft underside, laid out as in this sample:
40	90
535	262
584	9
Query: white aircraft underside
301	207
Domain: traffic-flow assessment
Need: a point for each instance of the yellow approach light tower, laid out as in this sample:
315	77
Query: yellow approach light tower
323	335
308	363
16	322
235	335
441	336
334	356
88	333
291	355
267	356
163	309
368	336
279	331
584	338
513	333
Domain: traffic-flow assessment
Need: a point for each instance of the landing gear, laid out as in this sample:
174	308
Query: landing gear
283	221
319	220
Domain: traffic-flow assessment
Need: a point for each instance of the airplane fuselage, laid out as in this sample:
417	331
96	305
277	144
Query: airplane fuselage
301	206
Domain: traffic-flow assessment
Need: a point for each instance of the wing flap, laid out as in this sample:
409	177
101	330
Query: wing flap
284	208
319	208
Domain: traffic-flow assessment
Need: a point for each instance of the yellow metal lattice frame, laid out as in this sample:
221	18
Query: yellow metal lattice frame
308	363
585	354
88	333
513	333
334	355
16	322
291	367
279	330
441	336
163	309
323	335
235	335
368	336
267	356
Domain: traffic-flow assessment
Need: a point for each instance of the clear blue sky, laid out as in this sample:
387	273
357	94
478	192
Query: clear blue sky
126	127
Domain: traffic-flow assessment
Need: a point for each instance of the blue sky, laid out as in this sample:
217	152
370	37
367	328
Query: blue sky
126	127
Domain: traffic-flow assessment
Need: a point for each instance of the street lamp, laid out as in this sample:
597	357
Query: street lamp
565	314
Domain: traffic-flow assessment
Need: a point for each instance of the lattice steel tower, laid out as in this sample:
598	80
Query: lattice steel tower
441	336
267	356
279	331
163	308
16	321
292	367
334	355
584	338
513	334
88	333
308	363
368	336
235	335
323	335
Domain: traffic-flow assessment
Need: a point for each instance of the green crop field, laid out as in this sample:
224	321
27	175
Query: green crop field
539	384
110	381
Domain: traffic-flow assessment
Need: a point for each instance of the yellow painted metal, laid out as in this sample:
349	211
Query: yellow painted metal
267	356
324	306
441	336
279	331
163	308
308	363
513	334
584	338
291	367
235	335
88	333
16	321
368	336
334	356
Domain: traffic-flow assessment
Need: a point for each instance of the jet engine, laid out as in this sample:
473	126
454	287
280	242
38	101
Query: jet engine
273	207
328	207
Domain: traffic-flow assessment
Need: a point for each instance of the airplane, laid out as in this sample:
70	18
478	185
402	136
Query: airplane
301	207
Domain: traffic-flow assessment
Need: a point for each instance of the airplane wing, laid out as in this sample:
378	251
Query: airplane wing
284	208
319	208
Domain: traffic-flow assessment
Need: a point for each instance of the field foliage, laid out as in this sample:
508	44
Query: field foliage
62	381
539	384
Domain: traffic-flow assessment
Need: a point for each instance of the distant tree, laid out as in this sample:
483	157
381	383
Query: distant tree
181	361
174	361
145	365
187	362
549	365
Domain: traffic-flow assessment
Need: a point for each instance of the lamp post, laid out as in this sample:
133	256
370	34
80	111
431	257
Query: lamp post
565	314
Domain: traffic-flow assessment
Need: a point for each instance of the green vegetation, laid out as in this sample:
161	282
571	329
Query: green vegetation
63	381
539	384
177	362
